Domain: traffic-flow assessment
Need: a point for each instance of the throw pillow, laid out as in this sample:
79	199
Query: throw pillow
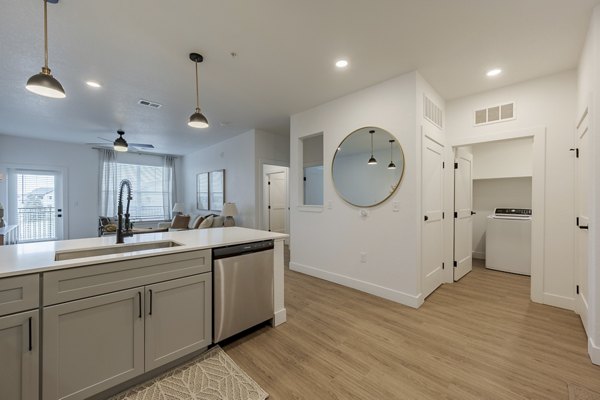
180	222
218	221
193	219
198	222
207	223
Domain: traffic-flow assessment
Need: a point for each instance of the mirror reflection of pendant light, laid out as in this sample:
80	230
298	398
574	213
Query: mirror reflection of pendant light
372	160
197	120
44	83
391	165
120	144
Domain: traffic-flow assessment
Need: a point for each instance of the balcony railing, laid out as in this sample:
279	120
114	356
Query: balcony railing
36	223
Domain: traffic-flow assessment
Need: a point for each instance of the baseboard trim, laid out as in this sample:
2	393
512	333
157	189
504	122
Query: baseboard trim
480	255
594	351
280	317
568	303
371	288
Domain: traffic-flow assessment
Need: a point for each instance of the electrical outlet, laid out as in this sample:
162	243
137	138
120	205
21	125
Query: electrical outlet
363	257
395	206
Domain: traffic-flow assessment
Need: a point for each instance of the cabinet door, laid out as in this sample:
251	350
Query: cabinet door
19	355
93	344
179	318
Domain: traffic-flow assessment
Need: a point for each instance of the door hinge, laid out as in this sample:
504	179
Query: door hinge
443	164
455	214
455	264
443	215
577	221
577	289
455	165
268	183
304	179
576	150
269	207
443	265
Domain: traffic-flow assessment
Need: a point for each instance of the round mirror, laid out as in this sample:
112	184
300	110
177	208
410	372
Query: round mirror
367	167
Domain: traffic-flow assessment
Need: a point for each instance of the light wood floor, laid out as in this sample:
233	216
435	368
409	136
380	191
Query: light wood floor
480	338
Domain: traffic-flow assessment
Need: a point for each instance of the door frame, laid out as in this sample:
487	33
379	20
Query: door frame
260	206
6	169
538	190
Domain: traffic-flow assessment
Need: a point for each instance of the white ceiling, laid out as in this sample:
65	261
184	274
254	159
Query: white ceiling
285	63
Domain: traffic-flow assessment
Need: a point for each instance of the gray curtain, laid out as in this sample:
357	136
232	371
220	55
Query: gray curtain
169	185
107	186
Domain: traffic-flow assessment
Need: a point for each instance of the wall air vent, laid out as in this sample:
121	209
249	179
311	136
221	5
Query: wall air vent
499	113
432	112
147	103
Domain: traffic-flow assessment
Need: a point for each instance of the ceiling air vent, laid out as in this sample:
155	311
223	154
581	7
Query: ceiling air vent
490	115
432	112
148	103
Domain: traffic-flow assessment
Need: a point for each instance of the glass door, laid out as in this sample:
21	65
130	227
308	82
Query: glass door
37	198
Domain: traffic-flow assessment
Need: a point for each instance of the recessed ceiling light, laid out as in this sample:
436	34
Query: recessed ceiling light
341	63
494	72
93	84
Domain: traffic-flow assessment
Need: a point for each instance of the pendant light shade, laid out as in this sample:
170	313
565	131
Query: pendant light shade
391	165
372	160
197	119
44	83
120	144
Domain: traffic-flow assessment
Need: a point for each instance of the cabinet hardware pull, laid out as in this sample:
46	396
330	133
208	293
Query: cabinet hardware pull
30	336
150	290
140	304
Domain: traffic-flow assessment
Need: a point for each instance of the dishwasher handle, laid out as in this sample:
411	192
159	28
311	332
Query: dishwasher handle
240	249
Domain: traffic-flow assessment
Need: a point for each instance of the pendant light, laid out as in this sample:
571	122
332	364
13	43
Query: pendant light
197	120
44	83
391	165
120	144
372	160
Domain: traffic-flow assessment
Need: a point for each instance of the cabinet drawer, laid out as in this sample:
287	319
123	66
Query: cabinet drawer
19	294
92	280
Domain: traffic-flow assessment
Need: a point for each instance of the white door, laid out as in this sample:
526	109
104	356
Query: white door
463	216
583	167
36	204
276	202
432	255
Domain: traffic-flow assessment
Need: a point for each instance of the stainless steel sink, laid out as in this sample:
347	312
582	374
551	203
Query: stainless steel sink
115	249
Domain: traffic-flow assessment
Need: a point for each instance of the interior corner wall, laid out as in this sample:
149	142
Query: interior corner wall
237	157
328	241
548	102
81	165
589	95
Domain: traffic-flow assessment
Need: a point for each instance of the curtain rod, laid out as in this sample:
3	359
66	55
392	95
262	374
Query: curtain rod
144	153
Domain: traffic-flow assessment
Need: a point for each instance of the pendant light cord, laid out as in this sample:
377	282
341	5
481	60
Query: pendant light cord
46	34
371	145
391	153
197	95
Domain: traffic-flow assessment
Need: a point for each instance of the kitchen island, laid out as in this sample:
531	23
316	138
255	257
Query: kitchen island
104	314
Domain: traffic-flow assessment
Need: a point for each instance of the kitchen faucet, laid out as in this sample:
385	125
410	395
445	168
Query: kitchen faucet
123	231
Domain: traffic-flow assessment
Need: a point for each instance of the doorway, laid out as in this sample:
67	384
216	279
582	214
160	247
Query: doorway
537	138
35	199
275	198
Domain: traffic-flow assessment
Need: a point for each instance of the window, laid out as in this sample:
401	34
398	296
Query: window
148	193
210	190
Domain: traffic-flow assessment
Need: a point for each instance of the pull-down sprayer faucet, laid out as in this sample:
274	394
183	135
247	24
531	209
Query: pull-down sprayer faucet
123	231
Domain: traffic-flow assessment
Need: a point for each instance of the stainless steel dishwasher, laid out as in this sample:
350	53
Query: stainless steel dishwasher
242	288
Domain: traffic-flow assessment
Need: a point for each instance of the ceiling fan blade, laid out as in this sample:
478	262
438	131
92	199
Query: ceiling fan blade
98	144
101	138
142	145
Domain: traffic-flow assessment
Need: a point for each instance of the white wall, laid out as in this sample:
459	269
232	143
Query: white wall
489	194
81	165
503	159
242	158
328	241
547	102
589	95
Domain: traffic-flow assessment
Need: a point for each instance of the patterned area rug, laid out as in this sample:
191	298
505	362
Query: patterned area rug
577	392
212	376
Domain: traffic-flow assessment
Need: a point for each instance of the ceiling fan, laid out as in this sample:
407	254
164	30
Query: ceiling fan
120	144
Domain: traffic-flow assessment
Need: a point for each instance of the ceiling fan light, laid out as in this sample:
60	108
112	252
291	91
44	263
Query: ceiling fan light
198	120
45	84
372	161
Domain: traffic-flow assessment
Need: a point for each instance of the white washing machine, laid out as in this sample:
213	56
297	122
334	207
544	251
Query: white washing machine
508	240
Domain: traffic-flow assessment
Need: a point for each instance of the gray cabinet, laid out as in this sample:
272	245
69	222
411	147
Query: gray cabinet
19	355
92	344
178	319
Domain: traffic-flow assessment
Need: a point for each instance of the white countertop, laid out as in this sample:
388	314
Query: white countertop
28	258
